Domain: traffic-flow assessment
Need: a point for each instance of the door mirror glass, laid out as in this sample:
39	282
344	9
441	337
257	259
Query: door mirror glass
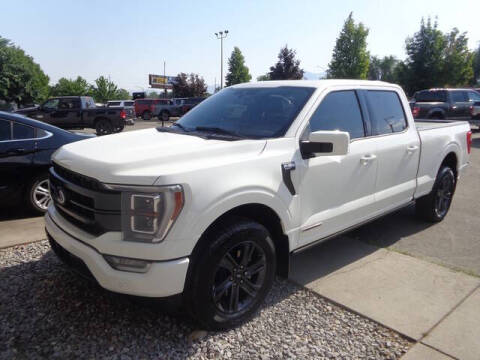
325	143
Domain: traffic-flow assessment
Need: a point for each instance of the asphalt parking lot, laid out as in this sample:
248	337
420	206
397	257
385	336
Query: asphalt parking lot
45	311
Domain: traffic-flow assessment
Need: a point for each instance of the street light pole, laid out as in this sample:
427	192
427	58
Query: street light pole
221	35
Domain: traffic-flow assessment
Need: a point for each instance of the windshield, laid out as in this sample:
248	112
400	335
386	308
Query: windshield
262	112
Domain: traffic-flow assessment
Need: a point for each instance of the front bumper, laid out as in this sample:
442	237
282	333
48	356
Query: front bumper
163	279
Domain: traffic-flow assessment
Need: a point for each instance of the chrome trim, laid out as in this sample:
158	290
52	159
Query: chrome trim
309	227
316	242
142	188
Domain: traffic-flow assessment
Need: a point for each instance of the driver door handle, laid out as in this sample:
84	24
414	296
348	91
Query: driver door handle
365	159
412	148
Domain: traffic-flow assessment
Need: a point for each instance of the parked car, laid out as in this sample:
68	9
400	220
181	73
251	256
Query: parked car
210	209
186	104
145	108
128	106
77	112
165	109
444	103
26	146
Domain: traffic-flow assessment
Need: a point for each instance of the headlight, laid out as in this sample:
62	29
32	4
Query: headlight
148	212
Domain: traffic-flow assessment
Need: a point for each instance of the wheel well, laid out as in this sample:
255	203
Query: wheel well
267	217
437	115
450	161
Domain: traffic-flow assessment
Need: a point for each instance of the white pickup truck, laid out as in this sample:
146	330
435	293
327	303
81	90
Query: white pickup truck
210	209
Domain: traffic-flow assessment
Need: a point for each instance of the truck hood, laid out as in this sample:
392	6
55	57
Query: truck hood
141	157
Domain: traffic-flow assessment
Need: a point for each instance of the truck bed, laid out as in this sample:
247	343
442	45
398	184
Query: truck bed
428	124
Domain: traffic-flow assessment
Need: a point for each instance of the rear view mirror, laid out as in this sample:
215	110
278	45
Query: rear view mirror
325	143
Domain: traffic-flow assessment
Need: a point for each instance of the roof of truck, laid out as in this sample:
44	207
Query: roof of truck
314	83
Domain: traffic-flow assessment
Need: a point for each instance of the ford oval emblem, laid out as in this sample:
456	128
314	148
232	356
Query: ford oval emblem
61	198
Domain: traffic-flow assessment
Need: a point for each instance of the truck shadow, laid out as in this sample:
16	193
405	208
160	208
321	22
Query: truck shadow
336	253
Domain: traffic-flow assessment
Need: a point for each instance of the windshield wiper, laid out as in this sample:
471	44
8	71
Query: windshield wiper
180	126
218	130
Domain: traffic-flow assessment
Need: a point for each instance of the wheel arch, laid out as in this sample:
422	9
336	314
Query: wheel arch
264	215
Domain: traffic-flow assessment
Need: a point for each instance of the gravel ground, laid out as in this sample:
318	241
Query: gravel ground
48	312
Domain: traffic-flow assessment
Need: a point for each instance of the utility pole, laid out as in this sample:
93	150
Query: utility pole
221	35
165	79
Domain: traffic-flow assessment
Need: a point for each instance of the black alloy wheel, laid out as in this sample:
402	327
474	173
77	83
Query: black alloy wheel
104	127
238	278
444	194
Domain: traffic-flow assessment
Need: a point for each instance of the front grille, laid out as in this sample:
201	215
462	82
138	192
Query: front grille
93	211
78	179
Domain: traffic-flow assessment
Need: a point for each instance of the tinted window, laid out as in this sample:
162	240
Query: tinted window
339	111
22	132
257	112
4	130
51	104
473	96
128	103
431	96
68	104
113	103
458	96
386	112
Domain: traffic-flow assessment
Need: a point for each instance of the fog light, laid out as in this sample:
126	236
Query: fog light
127	264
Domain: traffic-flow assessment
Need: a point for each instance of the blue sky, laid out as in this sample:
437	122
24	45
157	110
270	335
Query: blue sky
127	40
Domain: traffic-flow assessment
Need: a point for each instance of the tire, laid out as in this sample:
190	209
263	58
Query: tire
434	206
164	116
147	115
231	275
104	127
119	128
37	195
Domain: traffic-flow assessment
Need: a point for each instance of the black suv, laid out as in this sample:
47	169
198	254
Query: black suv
444	103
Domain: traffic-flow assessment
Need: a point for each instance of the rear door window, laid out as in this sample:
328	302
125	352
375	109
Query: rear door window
386	112
128	103
458	96
113	103
431	96
22	132
5	131
339	110
473	96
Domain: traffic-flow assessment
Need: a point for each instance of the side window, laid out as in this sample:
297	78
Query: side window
41	133
51	104
473	96
339	110
21	131
4	130
386	112
457	96
69	104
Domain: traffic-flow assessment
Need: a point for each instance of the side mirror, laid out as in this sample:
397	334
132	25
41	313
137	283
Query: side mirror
325	143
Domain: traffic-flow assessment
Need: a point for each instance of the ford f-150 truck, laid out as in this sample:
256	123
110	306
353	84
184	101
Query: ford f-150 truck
78	112
210	209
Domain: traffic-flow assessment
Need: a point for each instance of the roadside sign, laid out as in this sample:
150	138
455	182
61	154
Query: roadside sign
161	82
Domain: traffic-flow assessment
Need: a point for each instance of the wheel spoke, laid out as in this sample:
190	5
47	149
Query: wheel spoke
221	289
256	268
234	295
247	253
228	262
249	287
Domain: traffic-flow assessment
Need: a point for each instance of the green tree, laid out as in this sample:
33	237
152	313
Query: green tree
191	85
122	94
104	90
457	60
21	79
265	77
383	69
237	71
287	67
350	57
69	87
424	65
476	68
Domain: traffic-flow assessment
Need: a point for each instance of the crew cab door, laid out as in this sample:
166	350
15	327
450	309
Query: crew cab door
460	108
398	148
336	191
17	145
67	114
